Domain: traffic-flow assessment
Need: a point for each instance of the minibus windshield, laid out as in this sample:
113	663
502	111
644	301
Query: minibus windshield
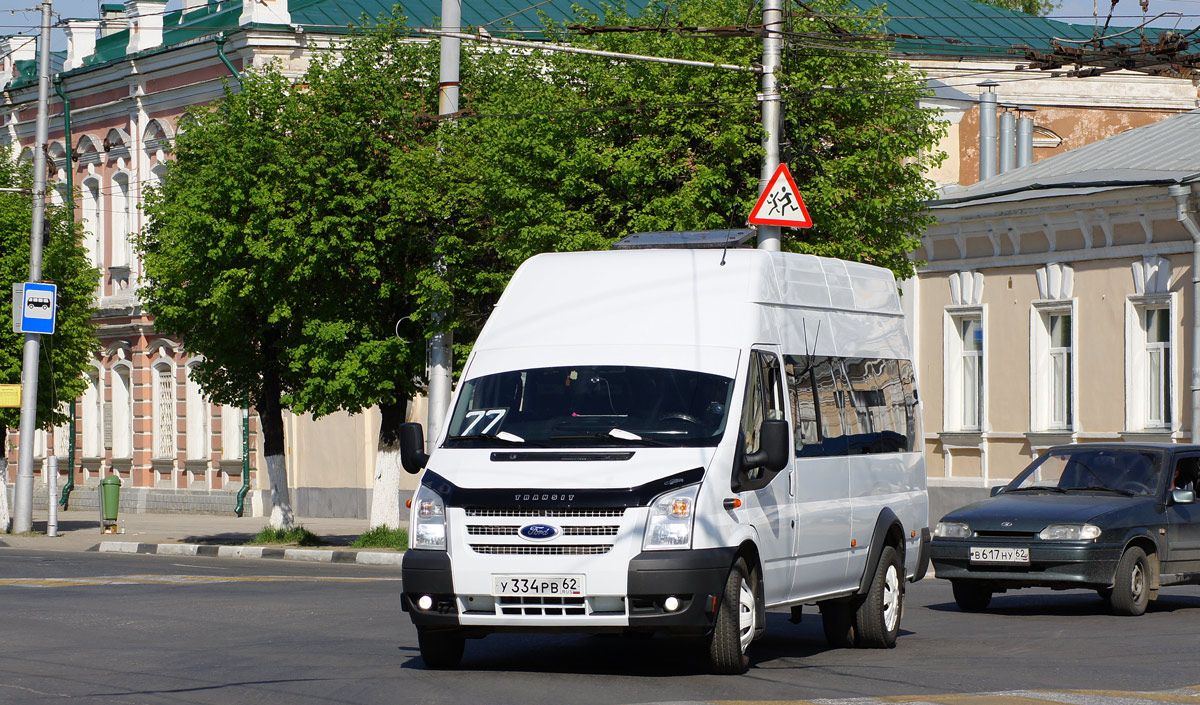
591	405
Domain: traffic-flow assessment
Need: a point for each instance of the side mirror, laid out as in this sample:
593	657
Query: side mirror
772	452
1183	496
997	490
412	448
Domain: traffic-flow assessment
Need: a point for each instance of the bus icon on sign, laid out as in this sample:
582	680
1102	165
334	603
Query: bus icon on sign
36	302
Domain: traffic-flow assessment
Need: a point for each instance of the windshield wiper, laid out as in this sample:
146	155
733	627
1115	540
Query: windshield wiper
502	437
1127	493
1032	488
624	437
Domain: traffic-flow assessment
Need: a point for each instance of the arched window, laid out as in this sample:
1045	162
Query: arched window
91	220
122	220
164	410
122	411
198	441
91	421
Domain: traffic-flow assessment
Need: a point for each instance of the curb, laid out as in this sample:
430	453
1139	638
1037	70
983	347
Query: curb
293	554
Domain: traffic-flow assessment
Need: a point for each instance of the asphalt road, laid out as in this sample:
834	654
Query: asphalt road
104	628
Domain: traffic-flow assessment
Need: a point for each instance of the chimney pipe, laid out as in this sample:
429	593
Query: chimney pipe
1025	136
1008	138
81	42
987	130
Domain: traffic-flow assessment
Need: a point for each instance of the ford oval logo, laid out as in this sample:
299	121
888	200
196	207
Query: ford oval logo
538	532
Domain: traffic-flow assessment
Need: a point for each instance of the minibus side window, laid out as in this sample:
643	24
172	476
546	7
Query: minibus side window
828	415
802	391
910	404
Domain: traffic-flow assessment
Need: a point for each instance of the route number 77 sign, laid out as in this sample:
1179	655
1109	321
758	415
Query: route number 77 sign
780	203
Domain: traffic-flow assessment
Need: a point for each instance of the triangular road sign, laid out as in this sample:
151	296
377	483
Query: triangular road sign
780	203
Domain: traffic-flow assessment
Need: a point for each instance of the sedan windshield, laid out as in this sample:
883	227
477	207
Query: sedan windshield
591	405
1080	469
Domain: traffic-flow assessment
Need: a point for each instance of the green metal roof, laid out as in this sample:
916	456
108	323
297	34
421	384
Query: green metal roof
967	28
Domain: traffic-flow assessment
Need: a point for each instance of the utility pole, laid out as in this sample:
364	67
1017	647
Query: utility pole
769	235
23	494
441	347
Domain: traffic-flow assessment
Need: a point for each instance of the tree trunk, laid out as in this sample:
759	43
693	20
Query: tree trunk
270	414
5	516
385	498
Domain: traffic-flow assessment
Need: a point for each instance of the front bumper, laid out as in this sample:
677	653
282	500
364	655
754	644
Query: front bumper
1057	564
696	578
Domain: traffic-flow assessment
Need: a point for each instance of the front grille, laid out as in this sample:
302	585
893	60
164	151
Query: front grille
539	606
544	550
569	513
491	530
1005	534
590	530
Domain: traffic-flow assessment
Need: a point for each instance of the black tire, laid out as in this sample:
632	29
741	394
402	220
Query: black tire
1131	584
440	649
877	619
971	596
736	622
837	620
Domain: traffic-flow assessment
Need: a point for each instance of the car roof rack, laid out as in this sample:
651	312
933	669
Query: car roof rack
686	239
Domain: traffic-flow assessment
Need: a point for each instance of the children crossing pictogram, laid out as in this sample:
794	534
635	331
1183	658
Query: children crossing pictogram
780	203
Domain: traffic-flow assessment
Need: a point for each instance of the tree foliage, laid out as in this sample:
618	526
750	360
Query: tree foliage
1040	8
315	231
65	354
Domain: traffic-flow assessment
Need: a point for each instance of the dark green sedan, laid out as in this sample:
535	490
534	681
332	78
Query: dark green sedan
1120	519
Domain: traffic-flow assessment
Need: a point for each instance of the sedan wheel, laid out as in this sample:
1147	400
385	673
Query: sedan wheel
971	596
1131	585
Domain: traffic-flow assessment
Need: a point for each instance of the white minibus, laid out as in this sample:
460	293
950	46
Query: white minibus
674	441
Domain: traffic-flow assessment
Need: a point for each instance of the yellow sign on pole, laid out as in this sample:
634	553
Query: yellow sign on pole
10	396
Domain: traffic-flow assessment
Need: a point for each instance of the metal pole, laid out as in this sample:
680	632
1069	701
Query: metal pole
51	490
987	130
769	235
441	345
70	171
23	491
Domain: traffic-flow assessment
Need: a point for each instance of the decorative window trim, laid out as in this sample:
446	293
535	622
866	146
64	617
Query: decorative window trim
1135	384
92	414
163	429
1040	386
122	424
198	410
952	411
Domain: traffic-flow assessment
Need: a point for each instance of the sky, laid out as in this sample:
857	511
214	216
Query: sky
1128	13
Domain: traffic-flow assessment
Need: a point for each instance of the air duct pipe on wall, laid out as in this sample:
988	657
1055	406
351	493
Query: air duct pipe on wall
1025	136
1182	195
1008	139
987	130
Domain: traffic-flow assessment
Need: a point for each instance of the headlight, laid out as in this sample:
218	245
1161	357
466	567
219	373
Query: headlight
952	530
1069	532
428	520
671	518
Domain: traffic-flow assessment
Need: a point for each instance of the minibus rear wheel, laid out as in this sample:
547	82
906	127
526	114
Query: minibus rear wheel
877	621
441	648
736	622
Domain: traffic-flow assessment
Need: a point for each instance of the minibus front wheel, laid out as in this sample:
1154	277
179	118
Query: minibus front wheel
736	622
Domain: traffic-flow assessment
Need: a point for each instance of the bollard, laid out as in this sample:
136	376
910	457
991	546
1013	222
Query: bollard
51	474
110	496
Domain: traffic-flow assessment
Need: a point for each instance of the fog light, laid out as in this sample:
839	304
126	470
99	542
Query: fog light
671	604
425	602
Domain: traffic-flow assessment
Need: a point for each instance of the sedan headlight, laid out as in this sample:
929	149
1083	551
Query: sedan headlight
952	530
672	515
1069	532
428	520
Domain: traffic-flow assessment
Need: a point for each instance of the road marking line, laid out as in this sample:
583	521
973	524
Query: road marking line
178	580
1188	694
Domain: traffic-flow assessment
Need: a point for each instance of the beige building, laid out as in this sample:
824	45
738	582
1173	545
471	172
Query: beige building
1056	306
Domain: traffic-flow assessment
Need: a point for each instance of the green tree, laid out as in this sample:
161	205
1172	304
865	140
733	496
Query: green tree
65	354
1040	8
221	248
327	227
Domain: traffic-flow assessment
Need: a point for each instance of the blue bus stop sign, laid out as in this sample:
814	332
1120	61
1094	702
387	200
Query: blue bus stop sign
39	304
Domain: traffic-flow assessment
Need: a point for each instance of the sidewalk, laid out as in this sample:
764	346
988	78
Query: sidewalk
197	535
